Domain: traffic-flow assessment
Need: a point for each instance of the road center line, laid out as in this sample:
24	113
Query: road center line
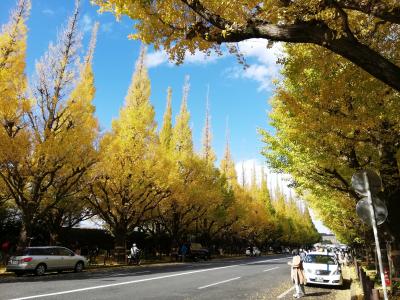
270	269
138	280
212	284
285	293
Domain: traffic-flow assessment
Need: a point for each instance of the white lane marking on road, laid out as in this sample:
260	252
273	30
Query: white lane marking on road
212	284
136	281
285	293
270	269
261	261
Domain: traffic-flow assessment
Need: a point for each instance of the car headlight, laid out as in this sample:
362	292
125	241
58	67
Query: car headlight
337	272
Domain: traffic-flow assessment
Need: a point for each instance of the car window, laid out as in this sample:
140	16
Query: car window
64	252
38	251
320	259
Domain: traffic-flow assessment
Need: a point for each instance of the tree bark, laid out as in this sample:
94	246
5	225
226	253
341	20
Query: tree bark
26	233
314	32
120	235
320	34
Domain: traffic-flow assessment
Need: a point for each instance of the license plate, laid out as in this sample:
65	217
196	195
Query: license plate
319	279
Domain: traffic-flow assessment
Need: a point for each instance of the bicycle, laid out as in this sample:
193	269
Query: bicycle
134	259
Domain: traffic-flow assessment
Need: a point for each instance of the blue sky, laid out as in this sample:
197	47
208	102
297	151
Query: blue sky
237	95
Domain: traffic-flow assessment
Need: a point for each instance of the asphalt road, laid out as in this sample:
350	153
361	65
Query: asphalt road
247	278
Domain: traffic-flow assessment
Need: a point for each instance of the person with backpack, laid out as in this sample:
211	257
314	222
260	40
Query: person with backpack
297	276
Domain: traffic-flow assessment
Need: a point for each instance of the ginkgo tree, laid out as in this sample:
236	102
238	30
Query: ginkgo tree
56	169
13	83
333	119
188	177
74	208
48	156
349	28
127	183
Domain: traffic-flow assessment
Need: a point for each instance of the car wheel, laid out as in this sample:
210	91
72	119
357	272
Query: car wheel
40	269
78	267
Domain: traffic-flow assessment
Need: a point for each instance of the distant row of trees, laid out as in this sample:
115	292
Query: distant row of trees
56	169
337	108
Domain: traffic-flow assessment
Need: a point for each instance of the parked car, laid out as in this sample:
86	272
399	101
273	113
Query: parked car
253	252
197	251
39	260
320	268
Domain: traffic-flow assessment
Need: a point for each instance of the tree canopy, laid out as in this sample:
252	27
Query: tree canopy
56	169
333	119
349	28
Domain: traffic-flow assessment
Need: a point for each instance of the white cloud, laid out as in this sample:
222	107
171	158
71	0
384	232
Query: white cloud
258	48
48	11
246	168
155	59
200	58
107	27
264	69
275	181
260	58
87	23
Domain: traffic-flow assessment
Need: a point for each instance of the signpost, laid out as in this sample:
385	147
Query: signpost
365	183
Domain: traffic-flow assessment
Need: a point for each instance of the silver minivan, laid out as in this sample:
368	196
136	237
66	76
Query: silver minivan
39	260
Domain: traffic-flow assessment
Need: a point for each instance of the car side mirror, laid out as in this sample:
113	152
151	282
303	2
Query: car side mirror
72	254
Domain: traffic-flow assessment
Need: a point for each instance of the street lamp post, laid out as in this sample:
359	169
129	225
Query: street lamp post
375	230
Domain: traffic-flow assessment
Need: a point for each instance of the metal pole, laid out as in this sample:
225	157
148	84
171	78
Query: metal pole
374	228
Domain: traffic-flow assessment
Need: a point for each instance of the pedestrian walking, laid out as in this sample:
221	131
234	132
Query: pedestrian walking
184	251
5	248
297	276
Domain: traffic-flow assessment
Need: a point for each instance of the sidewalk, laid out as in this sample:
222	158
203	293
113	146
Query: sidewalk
355	292
321	292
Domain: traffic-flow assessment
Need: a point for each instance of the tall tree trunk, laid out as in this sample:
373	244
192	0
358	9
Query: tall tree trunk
54	236
391	193
120	234
26	233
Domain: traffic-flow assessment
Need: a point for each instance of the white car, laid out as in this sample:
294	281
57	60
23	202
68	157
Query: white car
321	268
39	260
256	252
